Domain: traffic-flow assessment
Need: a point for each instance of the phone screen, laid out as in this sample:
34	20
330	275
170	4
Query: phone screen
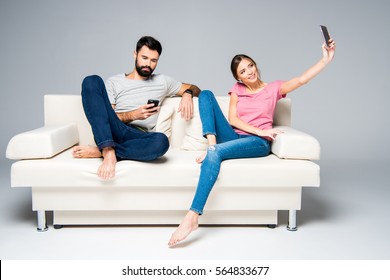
325	33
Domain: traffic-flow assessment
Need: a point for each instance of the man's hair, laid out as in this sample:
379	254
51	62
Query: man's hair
149	42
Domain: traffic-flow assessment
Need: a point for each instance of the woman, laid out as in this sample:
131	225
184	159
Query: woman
248	133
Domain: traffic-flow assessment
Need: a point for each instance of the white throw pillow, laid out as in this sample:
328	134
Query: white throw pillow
193	139
164	120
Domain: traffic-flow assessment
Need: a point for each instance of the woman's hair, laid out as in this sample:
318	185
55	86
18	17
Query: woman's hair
150	42
236	61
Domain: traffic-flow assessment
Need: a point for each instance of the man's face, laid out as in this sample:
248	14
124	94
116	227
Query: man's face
146	61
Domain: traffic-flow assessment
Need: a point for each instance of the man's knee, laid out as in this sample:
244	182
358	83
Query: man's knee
91	82
162	142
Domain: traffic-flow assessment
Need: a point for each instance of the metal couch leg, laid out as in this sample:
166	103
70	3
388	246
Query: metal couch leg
42	225
292	220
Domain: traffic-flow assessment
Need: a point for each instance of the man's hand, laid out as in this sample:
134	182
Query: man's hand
145	111
142	113
186	107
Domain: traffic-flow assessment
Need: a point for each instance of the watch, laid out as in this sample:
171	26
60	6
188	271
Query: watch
189	92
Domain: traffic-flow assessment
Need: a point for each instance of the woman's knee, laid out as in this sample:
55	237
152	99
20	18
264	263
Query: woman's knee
212	155
205	94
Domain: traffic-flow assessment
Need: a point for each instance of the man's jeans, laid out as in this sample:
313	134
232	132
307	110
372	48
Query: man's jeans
128	141
230	145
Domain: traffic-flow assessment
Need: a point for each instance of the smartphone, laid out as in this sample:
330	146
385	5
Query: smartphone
325	33
153	101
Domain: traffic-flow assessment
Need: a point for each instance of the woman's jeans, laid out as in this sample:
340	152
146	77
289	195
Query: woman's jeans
230	145
108	130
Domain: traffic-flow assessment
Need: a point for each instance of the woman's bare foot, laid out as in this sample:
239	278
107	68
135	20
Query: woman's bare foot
212	140
106	170
86	152
201	158
188	225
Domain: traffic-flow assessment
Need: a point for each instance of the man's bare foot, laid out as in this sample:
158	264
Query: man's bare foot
86	152
188	225
106	170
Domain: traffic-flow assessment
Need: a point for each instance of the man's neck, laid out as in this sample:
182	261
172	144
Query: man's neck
135	76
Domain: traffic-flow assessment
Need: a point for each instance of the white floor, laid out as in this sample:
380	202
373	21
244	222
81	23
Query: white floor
346	218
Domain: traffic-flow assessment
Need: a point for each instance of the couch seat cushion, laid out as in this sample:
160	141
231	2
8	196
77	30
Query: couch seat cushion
176	169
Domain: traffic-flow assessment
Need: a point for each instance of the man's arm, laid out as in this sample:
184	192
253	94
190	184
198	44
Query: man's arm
142	113
186	107
192	88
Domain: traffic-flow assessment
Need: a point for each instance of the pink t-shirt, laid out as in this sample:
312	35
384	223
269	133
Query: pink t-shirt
257	109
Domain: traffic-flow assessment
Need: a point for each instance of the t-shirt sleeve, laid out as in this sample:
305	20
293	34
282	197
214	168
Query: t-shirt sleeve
173	86
277	84
236	89
111	92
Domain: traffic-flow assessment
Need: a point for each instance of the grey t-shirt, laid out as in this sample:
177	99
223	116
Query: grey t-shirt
128	95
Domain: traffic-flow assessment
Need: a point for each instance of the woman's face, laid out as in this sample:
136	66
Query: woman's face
247	71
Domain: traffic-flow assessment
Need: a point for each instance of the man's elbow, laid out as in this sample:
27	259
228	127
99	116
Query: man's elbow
195	90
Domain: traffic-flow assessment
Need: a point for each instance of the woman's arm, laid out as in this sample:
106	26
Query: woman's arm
236	122
294	83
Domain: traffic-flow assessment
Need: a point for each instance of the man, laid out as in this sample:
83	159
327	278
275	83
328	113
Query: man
122	122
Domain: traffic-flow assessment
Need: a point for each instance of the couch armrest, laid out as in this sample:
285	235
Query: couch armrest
43	142
294	144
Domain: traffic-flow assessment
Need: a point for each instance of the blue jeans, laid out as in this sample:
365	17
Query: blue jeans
230	145
108	130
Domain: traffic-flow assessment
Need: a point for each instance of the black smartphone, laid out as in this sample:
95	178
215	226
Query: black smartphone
153	101
325	33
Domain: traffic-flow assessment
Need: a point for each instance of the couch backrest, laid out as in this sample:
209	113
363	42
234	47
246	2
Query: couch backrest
62	109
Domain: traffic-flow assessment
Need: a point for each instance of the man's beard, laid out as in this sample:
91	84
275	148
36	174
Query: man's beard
143	71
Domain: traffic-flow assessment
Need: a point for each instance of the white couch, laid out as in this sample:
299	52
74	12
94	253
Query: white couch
248	191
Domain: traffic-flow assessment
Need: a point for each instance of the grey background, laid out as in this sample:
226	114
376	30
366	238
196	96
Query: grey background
47	47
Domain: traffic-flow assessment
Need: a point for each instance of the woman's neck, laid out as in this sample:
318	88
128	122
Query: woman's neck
254	87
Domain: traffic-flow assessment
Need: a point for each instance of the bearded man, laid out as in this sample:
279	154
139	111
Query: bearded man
121	119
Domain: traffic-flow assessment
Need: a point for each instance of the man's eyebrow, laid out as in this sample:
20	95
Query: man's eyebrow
151	58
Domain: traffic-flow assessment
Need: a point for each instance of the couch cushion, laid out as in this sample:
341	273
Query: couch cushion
176	169
43	142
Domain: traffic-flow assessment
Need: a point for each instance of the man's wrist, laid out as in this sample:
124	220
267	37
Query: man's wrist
189	92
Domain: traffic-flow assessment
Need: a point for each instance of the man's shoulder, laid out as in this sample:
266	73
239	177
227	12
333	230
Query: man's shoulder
159	77
117	77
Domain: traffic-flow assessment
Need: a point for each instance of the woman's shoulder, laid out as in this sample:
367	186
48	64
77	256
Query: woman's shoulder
274	88
238	88
276	83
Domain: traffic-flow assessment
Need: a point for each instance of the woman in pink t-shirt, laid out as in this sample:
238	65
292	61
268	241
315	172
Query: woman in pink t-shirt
248	133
